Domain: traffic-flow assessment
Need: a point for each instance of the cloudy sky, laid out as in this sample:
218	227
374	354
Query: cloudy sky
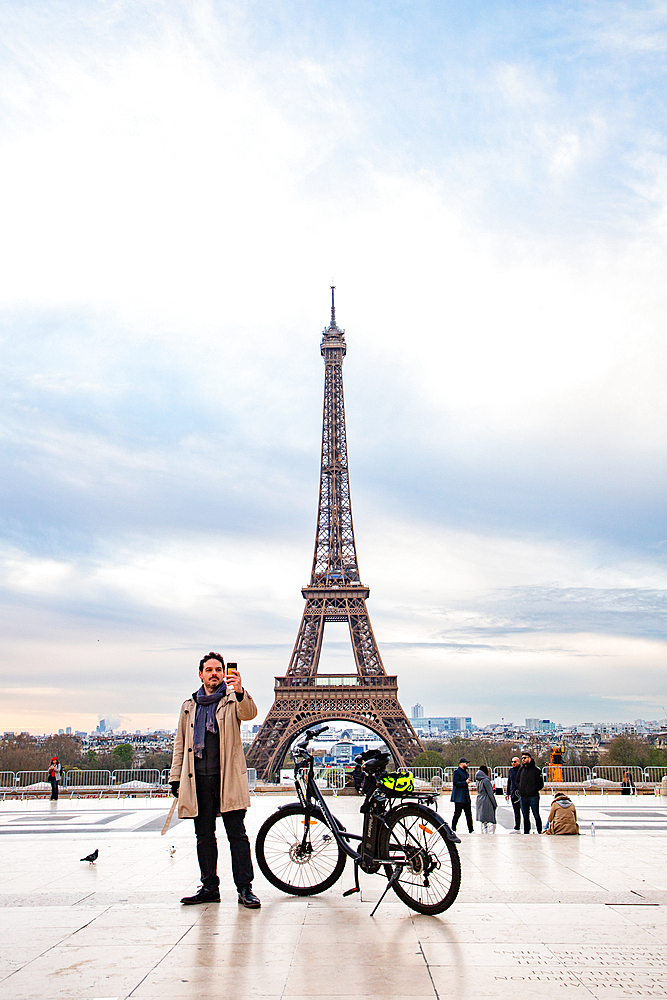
487	185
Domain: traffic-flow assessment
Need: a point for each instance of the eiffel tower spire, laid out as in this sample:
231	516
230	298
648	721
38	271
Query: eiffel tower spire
335	594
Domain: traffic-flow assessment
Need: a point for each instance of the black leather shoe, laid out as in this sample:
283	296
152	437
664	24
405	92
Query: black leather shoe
248	898
203	896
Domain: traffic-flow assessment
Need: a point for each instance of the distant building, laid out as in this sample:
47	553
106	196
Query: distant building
61	732
540	726
68	731
417	711
449	725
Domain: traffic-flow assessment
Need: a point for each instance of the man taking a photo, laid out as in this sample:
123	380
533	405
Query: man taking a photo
208	775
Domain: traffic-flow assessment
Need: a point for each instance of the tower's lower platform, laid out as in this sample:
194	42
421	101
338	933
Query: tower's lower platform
301	702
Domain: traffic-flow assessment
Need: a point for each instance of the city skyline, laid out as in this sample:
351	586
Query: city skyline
487	187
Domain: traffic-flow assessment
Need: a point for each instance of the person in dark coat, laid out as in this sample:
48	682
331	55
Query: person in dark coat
461	795
358	778
529	783
627	785
513	792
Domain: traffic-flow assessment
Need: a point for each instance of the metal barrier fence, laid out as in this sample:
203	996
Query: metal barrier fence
136	777
613	773
87	779
432	776
655	774
29	779
566	774
330	776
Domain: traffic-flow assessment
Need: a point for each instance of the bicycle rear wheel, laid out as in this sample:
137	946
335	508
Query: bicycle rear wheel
430	869
298	867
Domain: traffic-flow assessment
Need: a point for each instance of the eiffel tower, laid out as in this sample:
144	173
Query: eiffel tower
303	696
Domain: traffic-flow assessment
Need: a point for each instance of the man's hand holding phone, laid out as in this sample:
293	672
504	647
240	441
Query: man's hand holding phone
233	678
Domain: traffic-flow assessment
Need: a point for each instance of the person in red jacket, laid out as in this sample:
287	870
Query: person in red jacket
55	771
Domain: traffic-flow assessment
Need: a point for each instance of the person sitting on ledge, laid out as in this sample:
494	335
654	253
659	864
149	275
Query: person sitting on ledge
563	816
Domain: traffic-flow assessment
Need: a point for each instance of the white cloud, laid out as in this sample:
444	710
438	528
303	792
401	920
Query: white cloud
175	205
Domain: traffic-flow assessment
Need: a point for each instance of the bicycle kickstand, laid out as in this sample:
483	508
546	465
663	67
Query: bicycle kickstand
357	887
394	876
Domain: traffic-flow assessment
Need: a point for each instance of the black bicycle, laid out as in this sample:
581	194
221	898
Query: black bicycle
302	848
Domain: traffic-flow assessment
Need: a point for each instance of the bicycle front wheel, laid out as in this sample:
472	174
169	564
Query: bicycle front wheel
429	876
298	859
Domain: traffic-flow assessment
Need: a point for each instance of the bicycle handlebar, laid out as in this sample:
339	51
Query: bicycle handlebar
309	735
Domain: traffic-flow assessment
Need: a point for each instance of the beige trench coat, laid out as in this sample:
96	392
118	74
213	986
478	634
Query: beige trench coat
563	819
234	792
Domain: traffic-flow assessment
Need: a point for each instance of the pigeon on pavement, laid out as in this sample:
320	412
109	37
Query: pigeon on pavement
92	857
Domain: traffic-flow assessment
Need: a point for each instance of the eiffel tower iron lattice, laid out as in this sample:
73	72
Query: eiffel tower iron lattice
304	697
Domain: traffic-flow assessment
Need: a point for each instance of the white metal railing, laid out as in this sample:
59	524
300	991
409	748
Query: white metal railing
613	774
87	779
432	776
32	779
566	774
654	775
252	779
330	776
135	778
7	779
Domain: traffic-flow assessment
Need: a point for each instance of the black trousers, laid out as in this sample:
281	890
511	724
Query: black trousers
528	803
54	788
208	807
463	807
516	806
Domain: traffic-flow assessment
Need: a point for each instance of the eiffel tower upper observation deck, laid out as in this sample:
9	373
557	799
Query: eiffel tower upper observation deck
335	594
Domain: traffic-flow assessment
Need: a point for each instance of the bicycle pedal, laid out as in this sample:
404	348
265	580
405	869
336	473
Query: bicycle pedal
350	891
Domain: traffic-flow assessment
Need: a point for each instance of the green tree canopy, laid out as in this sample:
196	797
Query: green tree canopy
124	753
632	751
429	758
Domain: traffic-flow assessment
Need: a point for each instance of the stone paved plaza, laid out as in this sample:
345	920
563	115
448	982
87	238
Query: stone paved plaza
536	916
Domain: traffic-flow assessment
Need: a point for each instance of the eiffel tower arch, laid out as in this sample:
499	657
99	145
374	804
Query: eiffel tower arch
335	593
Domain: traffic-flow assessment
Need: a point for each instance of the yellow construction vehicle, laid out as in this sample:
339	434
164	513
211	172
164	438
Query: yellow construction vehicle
555	765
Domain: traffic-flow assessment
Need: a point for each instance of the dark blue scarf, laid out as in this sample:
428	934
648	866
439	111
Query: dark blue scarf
207	705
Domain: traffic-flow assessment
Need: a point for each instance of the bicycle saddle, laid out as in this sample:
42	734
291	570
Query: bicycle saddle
372	760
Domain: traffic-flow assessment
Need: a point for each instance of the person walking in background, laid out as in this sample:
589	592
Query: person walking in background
358	777
513	793
461	794
529	783
563	816
627	785
486	800
55	772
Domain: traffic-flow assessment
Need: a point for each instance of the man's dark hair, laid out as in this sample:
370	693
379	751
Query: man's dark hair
210	656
